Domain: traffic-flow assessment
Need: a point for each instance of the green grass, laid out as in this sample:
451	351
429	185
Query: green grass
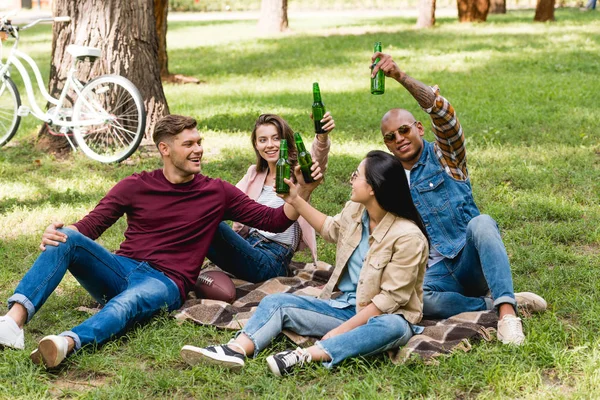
526	95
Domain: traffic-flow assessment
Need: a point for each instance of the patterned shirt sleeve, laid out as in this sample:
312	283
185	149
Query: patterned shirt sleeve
450	141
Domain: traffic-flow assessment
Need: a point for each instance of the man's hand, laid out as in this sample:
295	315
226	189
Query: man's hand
53	237
387	65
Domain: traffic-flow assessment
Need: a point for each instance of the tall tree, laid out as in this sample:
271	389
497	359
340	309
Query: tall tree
161	9
498	7
544	11
273	16
127	35
473	10
426	18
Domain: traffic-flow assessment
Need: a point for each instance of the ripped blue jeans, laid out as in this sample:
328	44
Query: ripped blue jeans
314	317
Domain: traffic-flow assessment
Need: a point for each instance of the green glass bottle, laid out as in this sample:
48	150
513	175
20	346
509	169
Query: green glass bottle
318	109
378	83
304	159
282	169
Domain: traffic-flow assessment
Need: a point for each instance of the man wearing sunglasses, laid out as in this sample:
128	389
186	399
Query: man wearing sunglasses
468	261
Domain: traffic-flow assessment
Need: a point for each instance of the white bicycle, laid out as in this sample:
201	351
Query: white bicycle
107	119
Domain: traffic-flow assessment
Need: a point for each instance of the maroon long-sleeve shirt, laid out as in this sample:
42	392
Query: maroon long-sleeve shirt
171	226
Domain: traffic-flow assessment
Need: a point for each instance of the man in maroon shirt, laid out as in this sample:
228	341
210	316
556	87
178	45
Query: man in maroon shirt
172	215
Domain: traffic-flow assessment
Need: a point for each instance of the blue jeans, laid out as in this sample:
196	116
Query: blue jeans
314	317
253	259
591	5
457	285
131	291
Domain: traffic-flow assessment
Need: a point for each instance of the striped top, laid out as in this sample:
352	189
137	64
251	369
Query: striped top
291	236
450	141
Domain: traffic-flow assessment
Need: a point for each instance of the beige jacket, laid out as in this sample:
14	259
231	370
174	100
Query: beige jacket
393	271
253	182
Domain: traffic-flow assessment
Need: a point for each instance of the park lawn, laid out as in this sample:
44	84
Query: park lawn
526	95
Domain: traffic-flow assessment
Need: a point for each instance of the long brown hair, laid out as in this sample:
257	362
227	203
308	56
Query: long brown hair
283	130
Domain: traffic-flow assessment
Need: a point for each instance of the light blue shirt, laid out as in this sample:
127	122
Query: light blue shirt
349	280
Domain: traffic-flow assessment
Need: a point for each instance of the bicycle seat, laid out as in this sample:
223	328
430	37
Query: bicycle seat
81	52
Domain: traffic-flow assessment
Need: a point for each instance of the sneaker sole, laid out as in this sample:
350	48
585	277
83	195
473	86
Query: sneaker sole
537	304
36	357
47	352
196	355
273	366
7	345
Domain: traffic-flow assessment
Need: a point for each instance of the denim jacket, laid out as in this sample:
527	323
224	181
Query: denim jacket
445	203
392	274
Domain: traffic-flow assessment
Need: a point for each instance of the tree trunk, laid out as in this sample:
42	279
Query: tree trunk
498	7
473	10
544	11
426	17
127	35
273	16
161	9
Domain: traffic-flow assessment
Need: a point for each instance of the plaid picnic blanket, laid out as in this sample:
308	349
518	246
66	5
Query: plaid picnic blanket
438	337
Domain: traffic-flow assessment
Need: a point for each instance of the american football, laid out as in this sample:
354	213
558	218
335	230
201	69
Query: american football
215	285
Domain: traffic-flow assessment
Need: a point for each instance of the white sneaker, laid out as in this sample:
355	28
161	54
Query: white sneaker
530	302
510	330
51	351
10	334
221	355
283	363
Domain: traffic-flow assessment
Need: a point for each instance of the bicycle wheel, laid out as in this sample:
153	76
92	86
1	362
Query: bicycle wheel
118	107
9	105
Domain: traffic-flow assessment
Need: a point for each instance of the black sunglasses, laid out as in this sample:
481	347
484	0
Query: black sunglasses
403	130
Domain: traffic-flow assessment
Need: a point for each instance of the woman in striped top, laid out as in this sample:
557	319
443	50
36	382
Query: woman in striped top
252	254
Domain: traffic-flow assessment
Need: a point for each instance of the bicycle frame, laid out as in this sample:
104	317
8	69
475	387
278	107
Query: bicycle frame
71	81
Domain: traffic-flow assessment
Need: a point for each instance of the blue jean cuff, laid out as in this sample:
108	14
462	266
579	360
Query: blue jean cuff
505	300
256	349
326	364
489	303
75	338
24	301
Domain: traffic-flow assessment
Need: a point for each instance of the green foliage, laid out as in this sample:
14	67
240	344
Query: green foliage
526	96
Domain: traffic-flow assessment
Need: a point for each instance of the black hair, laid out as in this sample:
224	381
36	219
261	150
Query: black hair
385	174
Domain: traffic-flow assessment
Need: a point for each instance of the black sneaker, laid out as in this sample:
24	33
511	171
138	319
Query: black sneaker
217	355
283	363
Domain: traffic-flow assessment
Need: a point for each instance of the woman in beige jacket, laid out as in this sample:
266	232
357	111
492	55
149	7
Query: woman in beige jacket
381	256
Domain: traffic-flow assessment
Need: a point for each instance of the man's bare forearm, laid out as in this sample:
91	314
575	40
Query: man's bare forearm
420	91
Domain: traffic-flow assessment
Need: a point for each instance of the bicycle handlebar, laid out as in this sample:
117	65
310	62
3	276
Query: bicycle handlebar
6	22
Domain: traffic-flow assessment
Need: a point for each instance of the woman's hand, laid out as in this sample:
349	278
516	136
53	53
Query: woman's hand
334	332
305	189
293	193
329	125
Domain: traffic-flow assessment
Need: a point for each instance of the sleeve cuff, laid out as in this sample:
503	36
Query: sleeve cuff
384	302
325	229
436	90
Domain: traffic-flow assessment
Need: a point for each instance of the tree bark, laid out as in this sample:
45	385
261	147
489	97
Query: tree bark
498	7
161	9
273	16
544	11
426	18
473	10
127	35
